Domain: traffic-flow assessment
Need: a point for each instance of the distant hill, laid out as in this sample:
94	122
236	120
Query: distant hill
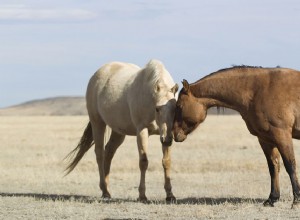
66	106
49	106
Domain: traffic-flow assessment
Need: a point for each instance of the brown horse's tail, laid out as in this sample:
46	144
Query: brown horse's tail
83	146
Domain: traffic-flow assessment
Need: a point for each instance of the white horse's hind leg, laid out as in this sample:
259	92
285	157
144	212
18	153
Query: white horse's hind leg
142	142
98	127
112	145
166	162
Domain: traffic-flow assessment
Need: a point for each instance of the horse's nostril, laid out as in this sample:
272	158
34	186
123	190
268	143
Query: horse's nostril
180	137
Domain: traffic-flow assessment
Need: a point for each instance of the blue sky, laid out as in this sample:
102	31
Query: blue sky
51	48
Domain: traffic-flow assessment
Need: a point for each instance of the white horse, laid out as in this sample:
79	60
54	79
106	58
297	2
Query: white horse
131	101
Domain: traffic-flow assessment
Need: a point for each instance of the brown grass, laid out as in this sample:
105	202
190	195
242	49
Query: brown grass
218	172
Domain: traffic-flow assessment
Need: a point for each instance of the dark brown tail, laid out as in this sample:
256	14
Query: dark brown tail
83	146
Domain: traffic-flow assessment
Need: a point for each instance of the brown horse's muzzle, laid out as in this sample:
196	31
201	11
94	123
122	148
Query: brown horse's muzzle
179	136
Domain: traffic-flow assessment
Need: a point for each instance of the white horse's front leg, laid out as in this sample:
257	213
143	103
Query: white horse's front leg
166	162
142	142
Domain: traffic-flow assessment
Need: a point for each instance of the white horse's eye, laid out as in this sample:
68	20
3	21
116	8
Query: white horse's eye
157	109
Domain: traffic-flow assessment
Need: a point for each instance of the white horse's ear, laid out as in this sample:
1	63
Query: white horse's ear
186	85
174	88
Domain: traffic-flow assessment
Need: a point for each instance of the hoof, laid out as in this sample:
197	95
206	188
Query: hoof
269	203
296	205
171	199
106	196
142	199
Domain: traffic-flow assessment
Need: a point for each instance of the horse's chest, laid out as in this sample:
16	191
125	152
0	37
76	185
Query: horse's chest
256	124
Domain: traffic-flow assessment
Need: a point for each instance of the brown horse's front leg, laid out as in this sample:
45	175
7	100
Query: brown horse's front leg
166	162
272	155
290	166
142	142
285	147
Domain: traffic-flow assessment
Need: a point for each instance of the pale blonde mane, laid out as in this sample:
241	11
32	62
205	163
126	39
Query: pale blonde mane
153	71
158	75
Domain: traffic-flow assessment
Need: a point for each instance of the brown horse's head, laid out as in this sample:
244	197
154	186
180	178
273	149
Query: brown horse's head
189	113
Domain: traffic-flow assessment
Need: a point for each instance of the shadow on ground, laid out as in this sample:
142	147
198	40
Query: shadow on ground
90	199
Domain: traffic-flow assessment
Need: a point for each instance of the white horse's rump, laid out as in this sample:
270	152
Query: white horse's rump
131	101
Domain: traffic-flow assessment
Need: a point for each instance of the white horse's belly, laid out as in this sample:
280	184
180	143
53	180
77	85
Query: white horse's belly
116	114
120	123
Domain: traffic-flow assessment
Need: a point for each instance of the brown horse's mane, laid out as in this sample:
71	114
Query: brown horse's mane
234	67
238	67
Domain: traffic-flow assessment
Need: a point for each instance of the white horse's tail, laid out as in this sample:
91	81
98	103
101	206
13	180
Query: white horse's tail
85	143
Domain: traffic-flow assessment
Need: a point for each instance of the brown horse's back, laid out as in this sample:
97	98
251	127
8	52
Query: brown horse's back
280	82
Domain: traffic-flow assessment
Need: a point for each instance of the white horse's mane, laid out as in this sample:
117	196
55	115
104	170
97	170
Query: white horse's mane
156	71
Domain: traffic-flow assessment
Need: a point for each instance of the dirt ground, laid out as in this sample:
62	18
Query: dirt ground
219	172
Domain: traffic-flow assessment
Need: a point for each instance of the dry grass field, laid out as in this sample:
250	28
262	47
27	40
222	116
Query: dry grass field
219	172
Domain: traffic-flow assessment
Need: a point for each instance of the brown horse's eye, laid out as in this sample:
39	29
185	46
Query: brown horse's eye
191	123
157	109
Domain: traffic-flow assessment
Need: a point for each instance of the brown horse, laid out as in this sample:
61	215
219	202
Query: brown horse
268	100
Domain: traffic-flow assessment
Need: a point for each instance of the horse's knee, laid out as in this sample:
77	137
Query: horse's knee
166	163
99	150
290	167
99	154
275	159
277	165
143	163
109	152
274	166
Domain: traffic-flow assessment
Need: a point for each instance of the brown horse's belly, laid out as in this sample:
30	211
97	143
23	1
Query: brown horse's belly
296	134
296	128
296	131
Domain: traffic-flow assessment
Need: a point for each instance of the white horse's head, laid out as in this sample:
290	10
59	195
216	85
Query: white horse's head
164	90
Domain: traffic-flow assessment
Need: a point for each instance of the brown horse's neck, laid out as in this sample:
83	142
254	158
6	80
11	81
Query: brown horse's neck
232	88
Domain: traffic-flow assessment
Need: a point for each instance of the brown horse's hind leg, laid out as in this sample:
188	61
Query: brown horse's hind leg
285	147
112	145
273	157
166	162
142	142
98	127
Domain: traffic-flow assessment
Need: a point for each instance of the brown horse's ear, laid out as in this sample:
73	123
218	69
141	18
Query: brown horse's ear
174	88
186	85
